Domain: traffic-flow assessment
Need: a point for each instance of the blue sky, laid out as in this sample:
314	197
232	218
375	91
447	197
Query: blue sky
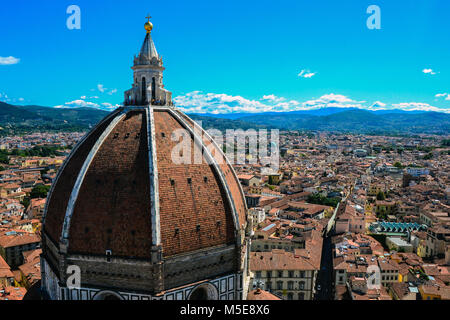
231	56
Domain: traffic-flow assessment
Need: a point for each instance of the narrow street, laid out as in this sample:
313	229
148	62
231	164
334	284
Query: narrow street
325	277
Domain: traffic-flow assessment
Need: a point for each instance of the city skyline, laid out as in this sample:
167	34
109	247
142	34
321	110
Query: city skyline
239	57
119	181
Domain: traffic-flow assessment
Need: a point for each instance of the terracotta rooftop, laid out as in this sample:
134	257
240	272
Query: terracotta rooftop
260	294
18	239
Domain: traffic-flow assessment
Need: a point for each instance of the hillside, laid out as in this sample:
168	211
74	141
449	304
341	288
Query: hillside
10	113
21	119
359	121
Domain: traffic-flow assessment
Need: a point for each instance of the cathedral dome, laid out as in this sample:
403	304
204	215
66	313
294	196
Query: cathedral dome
120	190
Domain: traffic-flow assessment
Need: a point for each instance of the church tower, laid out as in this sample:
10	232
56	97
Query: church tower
129	223
148	88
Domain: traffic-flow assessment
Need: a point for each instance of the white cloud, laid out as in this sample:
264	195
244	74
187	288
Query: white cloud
9	60
377	105
332	100
199	102
108	106
103	89
273	98
442	95
429	71
306	74
86	97
82	103
418	106
5	98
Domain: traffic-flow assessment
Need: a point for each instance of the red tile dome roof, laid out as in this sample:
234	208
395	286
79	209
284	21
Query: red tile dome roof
119	190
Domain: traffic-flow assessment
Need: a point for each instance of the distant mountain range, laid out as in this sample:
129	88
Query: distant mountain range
313	112
22	119
348	120
16	119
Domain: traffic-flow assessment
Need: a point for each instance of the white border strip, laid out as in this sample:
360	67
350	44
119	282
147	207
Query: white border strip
226	159
66	161
212	160
154	183
81	175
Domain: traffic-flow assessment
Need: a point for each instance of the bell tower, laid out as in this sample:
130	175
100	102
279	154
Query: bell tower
148	88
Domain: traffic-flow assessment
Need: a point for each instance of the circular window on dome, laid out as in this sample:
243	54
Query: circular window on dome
107	295
204	291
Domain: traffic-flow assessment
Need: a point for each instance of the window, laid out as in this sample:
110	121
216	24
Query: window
280	274
301	285
108	255
302	274
280	285
301	296
258	274
290	285
290	296
291	274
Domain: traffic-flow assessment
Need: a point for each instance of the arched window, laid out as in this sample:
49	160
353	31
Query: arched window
144	91
301	285
199	294
205	291
107	295
153	88
290	285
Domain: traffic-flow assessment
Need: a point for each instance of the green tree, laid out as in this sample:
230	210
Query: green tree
25	202
4	158
39	191
428	156
381	195
319	199
398	165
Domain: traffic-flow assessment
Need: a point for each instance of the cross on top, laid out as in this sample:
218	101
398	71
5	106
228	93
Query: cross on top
148	18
